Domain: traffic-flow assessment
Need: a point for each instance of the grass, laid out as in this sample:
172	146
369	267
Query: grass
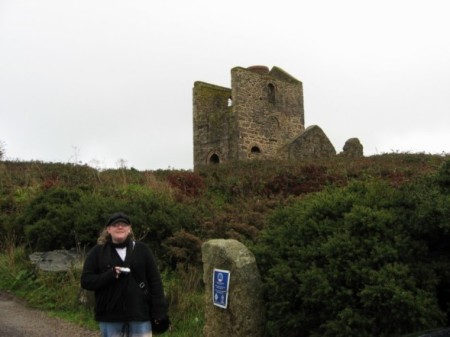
58	293
185	295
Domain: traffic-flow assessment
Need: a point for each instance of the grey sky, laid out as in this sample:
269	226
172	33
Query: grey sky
103	81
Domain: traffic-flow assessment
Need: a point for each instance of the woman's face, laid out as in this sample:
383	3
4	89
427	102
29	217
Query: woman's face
119	231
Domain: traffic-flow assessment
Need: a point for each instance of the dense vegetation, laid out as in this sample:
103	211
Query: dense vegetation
346	247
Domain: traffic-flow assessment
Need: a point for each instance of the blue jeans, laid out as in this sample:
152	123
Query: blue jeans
116	329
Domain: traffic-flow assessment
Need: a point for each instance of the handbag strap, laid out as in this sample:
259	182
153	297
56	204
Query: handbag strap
142	285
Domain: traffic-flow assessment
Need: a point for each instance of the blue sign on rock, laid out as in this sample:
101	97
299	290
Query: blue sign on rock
221	283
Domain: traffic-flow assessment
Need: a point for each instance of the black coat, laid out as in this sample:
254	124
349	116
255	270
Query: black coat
121	299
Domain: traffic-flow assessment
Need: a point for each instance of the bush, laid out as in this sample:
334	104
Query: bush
443	177
49	218
348	262
155	216
60	218
185	249
187	183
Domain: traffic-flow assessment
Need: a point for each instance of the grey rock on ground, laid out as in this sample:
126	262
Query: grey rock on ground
56	260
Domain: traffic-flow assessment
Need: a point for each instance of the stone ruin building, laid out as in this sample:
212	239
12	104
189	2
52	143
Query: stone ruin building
261	116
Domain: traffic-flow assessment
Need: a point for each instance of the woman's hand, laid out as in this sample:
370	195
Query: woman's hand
118	271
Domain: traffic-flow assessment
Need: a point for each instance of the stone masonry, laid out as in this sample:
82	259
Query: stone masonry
261	116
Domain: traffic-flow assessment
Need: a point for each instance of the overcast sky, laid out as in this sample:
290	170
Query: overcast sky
109	83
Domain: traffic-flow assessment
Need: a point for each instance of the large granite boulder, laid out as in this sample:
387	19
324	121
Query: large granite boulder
244	315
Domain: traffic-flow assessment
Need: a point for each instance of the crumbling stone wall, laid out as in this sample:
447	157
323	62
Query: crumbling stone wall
261	116
261	112
269	111
214	124
313	143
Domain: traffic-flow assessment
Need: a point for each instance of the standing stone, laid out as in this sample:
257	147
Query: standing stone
352	149
245	313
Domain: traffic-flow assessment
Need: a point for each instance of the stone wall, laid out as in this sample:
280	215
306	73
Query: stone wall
269	111
214	126
313	143
262	116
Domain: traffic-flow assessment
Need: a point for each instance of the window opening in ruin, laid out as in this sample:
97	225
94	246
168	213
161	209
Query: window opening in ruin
214	159
255	150
230	102
218	102
271	93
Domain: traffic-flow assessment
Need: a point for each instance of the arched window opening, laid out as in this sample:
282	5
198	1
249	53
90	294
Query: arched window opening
255	150
214	159
271	93
230	101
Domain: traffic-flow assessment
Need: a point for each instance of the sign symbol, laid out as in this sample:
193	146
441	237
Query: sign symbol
221	283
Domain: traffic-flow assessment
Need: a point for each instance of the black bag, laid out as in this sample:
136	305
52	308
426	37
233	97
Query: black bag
160	326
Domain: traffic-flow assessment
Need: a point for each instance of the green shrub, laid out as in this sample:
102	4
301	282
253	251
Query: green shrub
443	177
155	216
184	249
49	218
348	262
63	218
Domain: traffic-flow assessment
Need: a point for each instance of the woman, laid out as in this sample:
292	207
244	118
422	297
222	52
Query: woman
128	288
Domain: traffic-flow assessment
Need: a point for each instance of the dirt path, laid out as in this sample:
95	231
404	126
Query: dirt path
18	320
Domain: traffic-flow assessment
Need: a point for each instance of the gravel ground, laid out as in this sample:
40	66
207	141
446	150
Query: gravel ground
18	320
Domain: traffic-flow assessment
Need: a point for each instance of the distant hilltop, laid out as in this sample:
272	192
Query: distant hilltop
261	116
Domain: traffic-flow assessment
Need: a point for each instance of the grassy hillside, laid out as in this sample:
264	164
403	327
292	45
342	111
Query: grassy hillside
50	206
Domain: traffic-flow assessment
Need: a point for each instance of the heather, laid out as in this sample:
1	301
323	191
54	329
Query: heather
345	246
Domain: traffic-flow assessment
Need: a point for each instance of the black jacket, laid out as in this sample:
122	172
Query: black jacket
121	299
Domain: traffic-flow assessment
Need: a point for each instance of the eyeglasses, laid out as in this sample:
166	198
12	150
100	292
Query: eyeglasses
122	224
